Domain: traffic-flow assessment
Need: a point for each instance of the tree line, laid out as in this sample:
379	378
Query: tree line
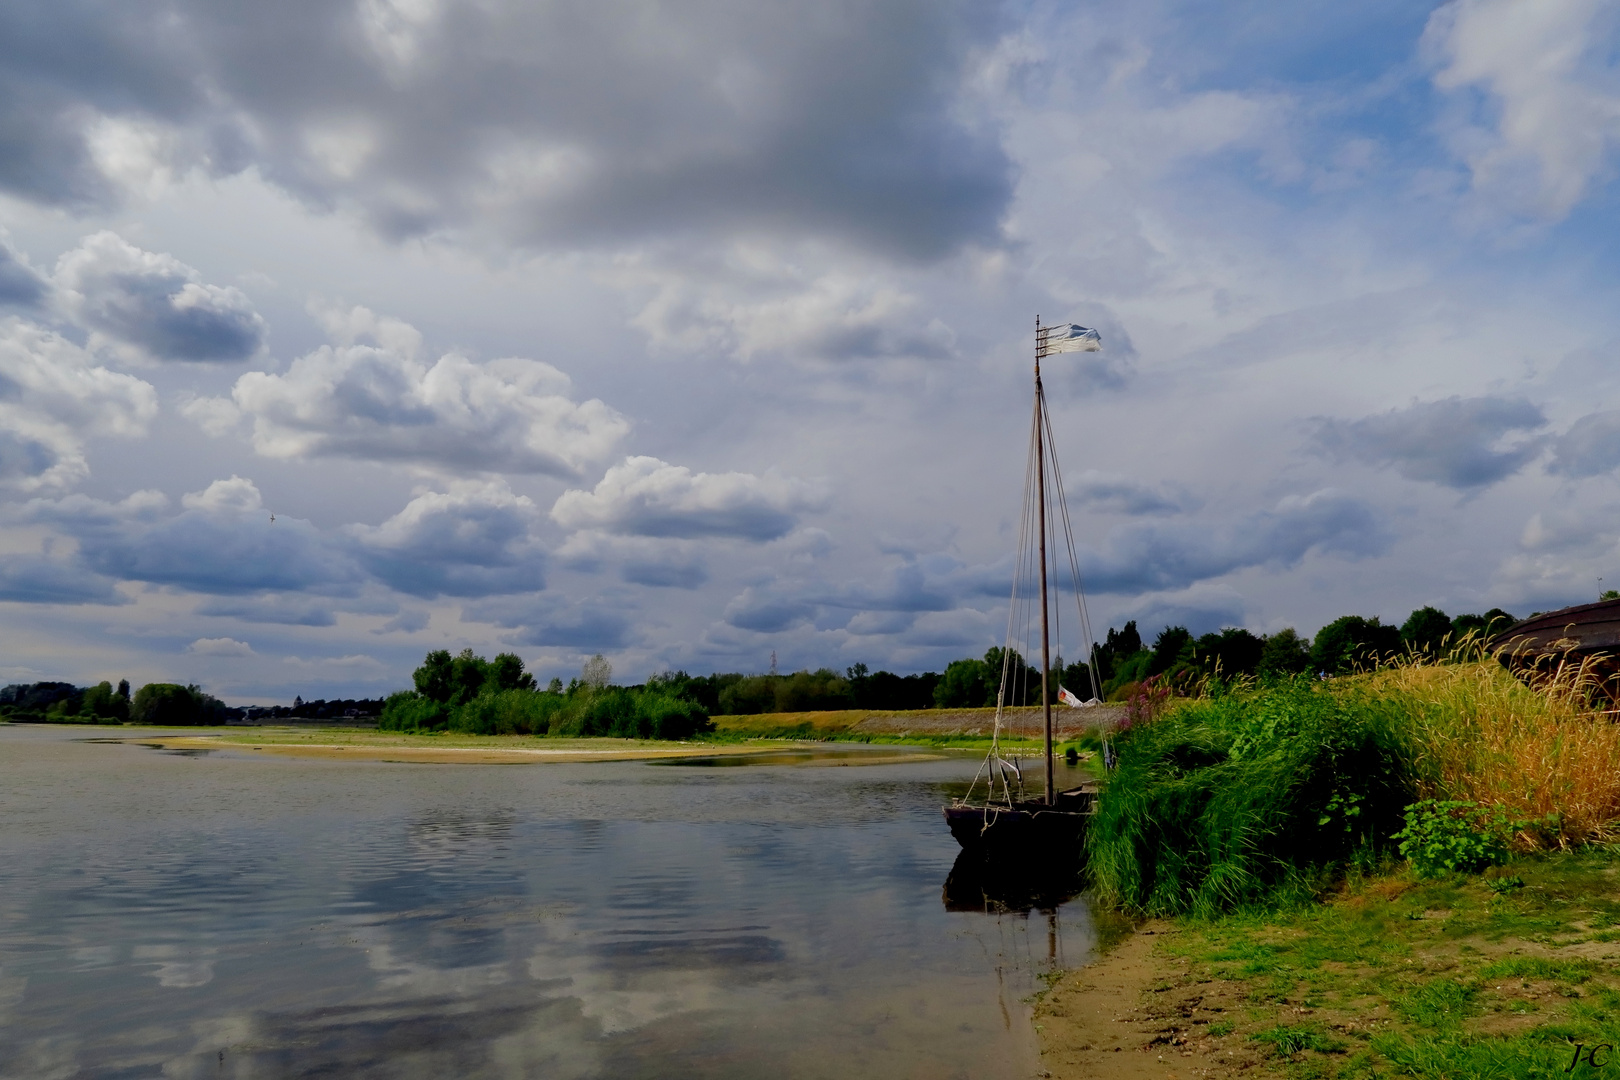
159	704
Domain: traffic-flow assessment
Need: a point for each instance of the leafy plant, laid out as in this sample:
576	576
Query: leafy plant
1444	836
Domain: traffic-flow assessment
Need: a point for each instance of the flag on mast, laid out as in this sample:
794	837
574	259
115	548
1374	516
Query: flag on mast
1070	337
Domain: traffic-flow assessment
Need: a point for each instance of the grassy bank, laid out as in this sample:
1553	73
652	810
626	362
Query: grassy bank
1473	976
1307	861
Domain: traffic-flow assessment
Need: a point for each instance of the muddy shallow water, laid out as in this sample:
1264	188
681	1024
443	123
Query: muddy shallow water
235	915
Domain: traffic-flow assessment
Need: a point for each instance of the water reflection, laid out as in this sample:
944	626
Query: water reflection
1000	889
232	916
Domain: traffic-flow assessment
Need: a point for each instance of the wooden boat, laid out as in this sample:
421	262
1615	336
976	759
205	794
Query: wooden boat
1585	637
1006	822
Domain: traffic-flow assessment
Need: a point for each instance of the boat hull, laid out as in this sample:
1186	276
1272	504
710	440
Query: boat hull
1023	828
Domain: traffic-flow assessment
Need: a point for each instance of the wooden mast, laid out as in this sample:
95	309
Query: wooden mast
1040	492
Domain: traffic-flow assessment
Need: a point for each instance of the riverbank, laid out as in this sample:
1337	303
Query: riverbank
1501	975
926	726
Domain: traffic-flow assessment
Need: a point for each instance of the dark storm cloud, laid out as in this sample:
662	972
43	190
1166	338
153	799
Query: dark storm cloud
569	122
1590	446
155	303
33	579
20	285
1456	442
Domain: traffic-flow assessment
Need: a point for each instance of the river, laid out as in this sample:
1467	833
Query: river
226	914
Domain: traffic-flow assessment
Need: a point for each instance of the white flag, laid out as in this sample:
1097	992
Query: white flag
1067	698
1070	337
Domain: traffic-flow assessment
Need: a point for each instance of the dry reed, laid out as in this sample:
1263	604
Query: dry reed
1482	735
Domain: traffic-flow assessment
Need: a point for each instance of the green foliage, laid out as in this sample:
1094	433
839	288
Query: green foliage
171	703
506	703
1454	836
103	705
1285	653
1232	652
1247	799
966	684
1351	643
1426	631
1492	622
409	710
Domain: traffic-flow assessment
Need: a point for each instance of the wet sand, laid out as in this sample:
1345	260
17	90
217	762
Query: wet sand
1104	1021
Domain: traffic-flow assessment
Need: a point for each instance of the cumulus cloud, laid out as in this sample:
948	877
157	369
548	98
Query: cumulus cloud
35	579
52	397
1547	69
361	401
474	540
562	123
143	305
644	496
639	560
1591	446
220	646
222	542
1458	442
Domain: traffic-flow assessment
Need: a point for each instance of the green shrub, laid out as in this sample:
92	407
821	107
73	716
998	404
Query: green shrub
1454	836
411	711
1247	798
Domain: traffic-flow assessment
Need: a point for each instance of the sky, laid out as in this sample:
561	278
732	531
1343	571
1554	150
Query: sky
694	335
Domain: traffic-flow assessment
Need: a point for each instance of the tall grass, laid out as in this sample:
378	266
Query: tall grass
1241	798
1250	794
1480	734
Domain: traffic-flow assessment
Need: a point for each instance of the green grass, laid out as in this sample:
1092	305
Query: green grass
1397	977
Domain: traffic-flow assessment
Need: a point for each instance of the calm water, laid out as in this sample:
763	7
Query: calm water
227	915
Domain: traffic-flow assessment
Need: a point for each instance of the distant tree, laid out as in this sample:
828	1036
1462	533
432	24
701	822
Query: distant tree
597	672
166	703
123	690
104	705
1427	631
1482	627
506	672
1284	653
1023	678
1173	648
749	695
1352	642
1232	652
555	686
810	691
963	686
435	678
468	671
1609	594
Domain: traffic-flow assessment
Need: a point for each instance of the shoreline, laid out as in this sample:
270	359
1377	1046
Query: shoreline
1502	973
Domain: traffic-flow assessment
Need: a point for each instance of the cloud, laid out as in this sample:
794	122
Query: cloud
365	402
1591	446
765	612
588	625
271	608
52	398
1122	495
1150	557
1554	103
148	306
222	542
1456	442
473	540
556	124
644	496
220	646
20	285
35	579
